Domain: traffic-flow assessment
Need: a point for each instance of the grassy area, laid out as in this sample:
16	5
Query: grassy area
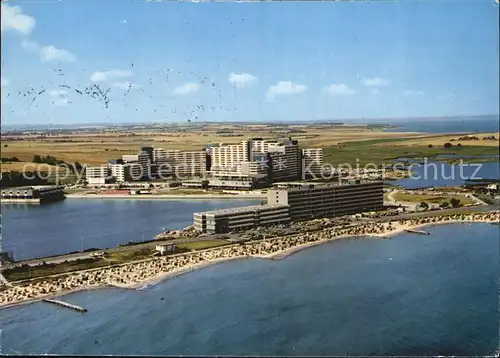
98	147
454	139
383	151
129	255
26	272
200	245
113	257
431	199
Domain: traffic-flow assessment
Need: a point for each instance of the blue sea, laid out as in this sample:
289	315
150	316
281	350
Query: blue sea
31	231
412	295
446	125
432	174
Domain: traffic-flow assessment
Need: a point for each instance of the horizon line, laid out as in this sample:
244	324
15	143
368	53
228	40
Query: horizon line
181	121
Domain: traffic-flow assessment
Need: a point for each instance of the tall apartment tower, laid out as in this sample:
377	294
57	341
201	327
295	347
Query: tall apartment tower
227	157
181	163
282	158
312	162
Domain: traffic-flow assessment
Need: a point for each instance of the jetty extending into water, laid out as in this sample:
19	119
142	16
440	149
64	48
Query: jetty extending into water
66	304
420	232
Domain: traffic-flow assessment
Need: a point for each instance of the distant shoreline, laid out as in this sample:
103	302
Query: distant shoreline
165	196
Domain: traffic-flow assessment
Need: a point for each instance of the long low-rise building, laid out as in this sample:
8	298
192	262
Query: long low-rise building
310	201
246	217
33	194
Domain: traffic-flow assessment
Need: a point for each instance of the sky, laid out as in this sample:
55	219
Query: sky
72	61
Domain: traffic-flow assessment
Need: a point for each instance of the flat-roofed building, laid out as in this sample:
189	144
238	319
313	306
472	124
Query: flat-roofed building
312	162
263	145
180	164
241	218
252	168
139	165
240	179
279	159
195	183
121	172
37	193
32	192
226	157
285	160
310	201
98	175
130	158
144	162
165	248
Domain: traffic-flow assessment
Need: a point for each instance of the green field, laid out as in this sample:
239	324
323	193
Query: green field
200	245
112	258
431	199
26	272
380	151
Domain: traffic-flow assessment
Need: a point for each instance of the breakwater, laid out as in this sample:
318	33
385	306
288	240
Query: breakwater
65	304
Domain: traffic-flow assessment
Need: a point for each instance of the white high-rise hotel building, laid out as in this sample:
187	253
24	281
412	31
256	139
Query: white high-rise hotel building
228	157
312	162
282	158
180	163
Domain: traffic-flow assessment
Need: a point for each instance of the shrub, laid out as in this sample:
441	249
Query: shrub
424	205
455	202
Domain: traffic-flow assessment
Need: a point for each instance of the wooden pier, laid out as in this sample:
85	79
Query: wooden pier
420	232
66	304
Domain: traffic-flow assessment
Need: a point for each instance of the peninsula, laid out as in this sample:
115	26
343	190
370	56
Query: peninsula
141	273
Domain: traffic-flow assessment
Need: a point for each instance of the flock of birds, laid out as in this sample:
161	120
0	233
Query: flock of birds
105	96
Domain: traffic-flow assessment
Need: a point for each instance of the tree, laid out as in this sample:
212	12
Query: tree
448	145
444	205
78	167
455	202
37	159
430	145
424	205
459	145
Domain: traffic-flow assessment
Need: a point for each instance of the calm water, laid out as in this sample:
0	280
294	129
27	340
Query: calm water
37	231
444	174
413	295
479	125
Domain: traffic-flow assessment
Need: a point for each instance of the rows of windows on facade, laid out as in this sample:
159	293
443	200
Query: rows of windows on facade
249	164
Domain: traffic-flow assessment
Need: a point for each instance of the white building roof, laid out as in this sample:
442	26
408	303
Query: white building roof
242	209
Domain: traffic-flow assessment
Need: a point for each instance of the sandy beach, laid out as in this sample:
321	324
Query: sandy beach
142	274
